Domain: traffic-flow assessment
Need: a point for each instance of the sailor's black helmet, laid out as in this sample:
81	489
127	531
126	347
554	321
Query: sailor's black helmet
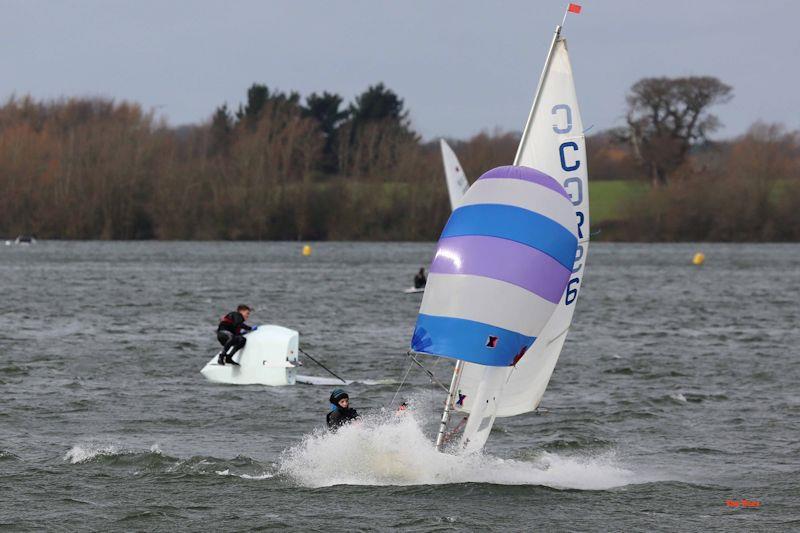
338	394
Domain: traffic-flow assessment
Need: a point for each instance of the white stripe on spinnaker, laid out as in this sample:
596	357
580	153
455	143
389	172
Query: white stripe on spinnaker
524	194
486	300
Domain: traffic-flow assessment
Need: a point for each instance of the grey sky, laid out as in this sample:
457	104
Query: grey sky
462	66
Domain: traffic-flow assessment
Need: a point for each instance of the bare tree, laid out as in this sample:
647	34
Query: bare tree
666	116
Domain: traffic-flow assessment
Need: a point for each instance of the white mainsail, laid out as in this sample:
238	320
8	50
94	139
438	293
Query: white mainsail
454	175
552	142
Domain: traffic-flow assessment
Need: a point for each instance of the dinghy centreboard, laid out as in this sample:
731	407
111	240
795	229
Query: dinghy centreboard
484	383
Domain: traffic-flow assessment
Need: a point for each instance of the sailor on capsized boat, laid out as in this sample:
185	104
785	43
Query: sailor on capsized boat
341	413
229	333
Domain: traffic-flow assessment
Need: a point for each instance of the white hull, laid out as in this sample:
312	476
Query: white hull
268	358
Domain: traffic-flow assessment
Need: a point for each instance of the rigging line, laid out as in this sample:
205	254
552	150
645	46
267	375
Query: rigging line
401	383
554	339
513	368
331	372
430	374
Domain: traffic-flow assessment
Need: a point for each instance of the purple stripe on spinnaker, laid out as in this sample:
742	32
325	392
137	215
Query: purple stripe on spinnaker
503	260
526	174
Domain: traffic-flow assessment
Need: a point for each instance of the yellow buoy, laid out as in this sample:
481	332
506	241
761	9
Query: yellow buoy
306	250
699	258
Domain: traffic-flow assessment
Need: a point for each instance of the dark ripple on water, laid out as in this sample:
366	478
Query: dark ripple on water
676	391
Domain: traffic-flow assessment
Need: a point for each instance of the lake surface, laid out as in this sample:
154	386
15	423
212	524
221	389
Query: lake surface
677	391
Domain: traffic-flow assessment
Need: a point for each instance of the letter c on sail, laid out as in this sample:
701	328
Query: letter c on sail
574	146
568	110
578	198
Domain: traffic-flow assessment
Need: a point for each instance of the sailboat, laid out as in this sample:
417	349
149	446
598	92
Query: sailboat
493	301
454	175
457	186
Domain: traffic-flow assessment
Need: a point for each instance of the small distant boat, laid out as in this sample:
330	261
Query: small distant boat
457	186
24	240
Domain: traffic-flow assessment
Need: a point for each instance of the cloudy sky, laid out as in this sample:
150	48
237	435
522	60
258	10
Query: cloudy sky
462	66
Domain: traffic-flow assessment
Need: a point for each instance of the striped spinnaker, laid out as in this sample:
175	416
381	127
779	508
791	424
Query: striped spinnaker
502	264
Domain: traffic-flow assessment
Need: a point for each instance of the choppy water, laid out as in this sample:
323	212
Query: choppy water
677	390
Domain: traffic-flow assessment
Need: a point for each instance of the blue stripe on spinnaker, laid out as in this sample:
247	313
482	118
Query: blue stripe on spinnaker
515	224
467	340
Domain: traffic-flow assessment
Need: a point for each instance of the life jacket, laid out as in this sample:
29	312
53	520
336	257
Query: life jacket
340	416
230	323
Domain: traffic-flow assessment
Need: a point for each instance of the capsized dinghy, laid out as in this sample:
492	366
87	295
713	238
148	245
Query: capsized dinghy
270	357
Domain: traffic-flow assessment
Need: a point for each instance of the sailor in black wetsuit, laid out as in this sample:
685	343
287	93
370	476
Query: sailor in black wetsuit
229	334
341	413
420	279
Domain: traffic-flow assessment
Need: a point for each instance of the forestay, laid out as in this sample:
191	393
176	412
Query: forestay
553	143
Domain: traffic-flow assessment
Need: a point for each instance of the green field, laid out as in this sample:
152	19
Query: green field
606	198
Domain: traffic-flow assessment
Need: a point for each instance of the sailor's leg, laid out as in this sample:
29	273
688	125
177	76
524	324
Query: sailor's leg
224	338
235	344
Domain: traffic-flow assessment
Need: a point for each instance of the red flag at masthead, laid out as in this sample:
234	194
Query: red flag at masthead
574	8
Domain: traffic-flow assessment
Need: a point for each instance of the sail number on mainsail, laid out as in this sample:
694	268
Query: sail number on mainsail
570	158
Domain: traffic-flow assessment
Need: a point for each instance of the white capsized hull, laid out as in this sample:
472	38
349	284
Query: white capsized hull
268	358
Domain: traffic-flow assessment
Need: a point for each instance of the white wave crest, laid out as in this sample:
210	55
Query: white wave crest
227	472
81	453
395	451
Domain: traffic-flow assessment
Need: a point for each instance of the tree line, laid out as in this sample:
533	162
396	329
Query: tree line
280	166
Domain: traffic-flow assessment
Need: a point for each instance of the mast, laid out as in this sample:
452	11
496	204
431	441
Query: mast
529	122
449	402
